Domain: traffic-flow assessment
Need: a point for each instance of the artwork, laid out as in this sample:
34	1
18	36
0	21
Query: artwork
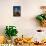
42	17
16	11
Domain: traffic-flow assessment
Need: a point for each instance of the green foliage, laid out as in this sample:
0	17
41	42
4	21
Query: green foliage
41	17
11	31
45	16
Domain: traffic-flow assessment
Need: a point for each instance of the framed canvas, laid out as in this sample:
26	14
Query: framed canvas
16	11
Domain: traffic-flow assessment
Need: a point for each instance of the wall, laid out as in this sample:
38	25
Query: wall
26	24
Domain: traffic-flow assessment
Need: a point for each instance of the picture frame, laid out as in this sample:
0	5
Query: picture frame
16	11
